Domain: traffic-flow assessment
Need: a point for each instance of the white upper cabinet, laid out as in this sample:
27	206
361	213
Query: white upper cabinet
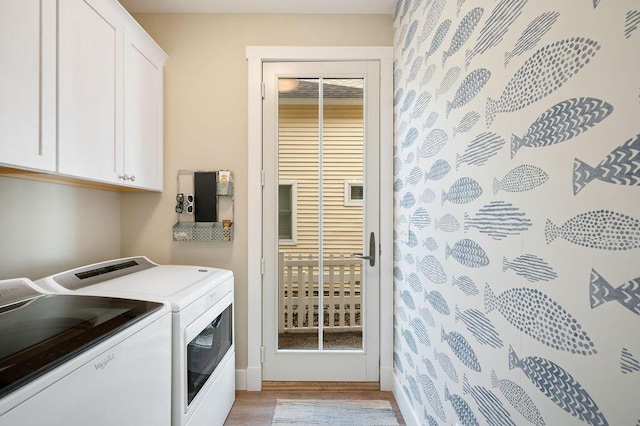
27	84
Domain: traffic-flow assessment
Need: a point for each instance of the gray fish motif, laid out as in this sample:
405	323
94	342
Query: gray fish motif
448	81
462	191
427	317
536	314
415	69
631	23
397	363
459	6
409	56
399	94
408	200
489	405
628	364
413	386
420	218
620	167
542	74
431	421
430	368
408	258
627	294
421	105
599	229
431	20
427	196
415	176
410	157
428	74
472	84
523	178
414	282
396	12
447	223
397	273
397	76
431	268
438	38
499	220
462	409
430	121
480	326
407	299
518	398
408	100
430	243
496	26
397	253
410	138
420	331
437	301
461	348
402	128
410	35
398	184
483	147
468	253
561	122
405	389
530	267
559	386
412	239
467	122
433	143
532	34
431	393
463	32
446	365
438	170
411	342
466	284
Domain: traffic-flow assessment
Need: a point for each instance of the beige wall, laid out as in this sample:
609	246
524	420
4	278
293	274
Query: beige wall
47	228
206	124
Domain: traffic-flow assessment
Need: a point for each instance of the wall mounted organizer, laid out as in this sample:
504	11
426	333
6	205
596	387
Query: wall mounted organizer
204	205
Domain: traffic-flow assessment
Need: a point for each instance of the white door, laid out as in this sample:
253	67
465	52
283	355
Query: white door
321	216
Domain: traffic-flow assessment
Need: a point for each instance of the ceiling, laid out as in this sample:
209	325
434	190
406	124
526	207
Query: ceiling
260	6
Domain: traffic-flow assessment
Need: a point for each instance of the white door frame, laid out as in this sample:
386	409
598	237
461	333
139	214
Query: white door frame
256	56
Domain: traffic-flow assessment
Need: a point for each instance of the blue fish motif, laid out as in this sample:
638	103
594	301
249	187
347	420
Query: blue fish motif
397	76
396	11
420	331
415	176
628	294
472	84
446	365
483	147
628	364
431	421
631	23
397	253
433	143
530	267
480	326
405	8
496	26
405	389
420	218
411	342
462	191
421	105
599	229
430	368
461	348
466	284
398	184
499	220
399	94
431	393
408	100
413	386
468	253
438	38
415	69
402	128
447	223
408	200
437	301
430	243
431	268
414	282
397	273
542	74
559	386
430	121
448	81
537	315
620	167
408	258
427	196
410	138
488	404
410	35
428	74
561	122
467	122
463	32
397	363
462	409
523	178
532	34
427	317
397	166
410	158
430	20
409	56
518	398
438	170
412	239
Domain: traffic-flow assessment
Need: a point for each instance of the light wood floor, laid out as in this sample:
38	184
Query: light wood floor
256	408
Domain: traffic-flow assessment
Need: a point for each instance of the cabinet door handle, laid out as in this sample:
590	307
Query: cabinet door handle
123	177
132	178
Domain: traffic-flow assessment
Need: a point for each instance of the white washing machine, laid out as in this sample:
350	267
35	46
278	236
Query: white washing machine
203	349
71	360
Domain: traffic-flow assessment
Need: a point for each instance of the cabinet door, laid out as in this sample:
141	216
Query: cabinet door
142	112
89	86
27	84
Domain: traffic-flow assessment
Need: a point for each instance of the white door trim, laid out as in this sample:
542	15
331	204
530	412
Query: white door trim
256	55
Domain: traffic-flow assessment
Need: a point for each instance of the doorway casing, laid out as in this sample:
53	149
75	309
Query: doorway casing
256	56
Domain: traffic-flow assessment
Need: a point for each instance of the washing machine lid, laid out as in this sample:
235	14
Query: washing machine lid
40	332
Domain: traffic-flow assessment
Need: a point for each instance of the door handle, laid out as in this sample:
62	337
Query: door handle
372	251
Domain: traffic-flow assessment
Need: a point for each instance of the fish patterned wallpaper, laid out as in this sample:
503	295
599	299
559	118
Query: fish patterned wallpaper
517	211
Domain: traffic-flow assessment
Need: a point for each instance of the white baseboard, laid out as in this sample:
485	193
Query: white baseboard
254	379
409	416
241	379
386	379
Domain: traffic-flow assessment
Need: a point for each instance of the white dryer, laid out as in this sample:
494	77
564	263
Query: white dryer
203	349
